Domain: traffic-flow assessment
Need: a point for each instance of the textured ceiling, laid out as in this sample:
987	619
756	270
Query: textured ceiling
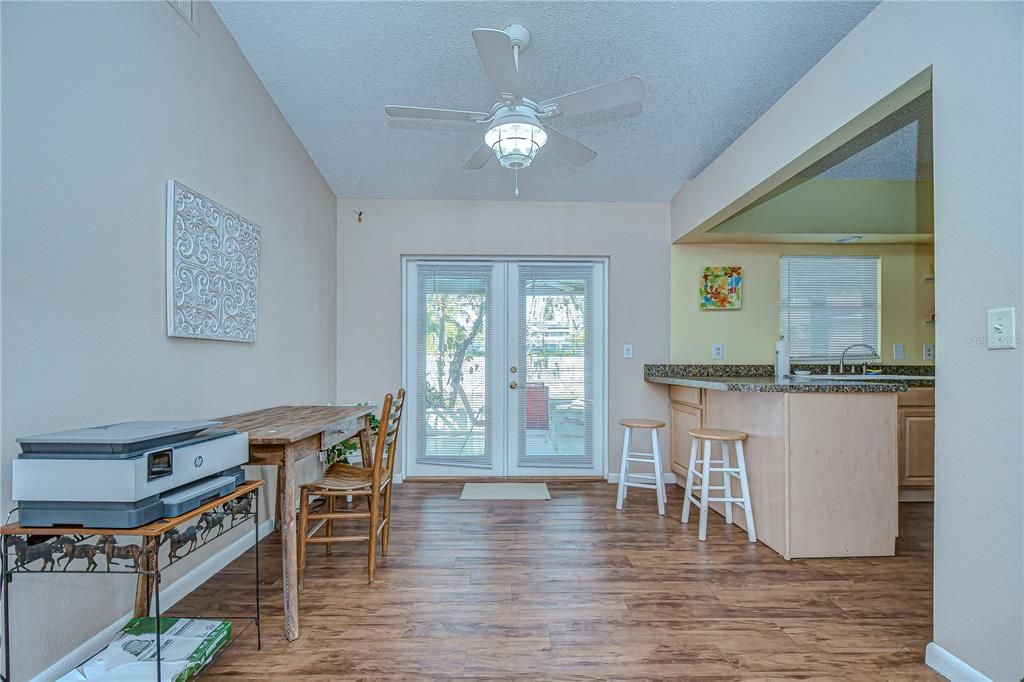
711	70
899	147
802	209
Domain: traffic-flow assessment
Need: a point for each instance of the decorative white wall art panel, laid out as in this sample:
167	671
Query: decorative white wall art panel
213	269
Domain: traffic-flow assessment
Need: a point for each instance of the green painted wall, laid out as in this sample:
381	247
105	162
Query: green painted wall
837	206
749	334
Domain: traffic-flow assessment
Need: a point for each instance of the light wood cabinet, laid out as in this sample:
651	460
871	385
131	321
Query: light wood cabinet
916	416
687	412
822	467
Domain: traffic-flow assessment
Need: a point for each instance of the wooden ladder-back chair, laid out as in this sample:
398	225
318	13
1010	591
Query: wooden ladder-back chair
371	480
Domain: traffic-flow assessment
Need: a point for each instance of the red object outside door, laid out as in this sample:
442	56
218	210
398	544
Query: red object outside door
536	405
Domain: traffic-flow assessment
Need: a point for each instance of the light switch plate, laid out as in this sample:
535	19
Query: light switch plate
627	350
928	351
717	351
1002	328
898	352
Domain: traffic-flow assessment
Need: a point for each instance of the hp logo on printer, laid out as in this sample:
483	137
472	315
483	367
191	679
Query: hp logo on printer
198	461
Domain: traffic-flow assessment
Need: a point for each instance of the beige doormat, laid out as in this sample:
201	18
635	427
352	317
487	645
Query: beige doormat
505	491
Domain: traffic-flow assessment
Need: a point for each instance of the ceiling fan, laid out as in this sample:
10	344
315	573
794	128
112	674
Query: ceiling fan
515	132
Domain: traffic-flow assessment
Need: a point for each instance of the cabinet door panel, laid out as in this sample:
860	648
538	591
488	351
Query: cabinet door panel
917	396
917	446
684	418
685	394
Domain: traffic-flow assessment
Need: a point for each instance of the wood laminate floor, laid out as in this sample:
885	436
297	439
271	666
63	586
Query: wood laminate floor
573	589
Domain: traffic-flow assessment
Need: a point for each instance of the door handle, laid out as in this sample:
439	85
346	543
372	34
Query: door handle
514	385
513	369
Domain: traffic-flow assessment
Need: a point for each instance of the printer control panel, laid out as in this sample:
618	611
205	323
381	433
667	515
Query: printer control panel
159	463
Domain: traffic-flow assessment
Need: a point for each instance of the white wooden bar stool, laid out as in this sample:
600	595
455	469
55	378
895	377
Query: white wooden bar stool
654	457
722	466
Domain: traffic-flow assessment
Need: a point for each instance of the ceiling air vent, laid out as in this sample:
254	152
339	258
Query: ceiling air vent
188	9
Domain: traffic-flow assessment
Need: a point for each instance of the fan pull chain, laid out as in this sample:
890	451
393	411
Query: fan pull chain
516	193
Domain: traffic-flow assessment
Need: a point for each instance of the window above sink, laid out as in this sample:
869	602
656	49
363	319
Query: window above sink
828	304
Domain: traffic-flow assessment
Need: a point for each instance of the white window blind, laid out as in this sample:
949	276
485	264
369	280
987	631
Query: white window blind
556	361
454	349
828	303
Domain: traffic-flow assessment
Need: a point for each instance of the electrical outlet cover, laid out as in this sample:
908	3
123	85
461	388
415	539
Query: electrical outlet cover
928	351
897	352
717	351
627	350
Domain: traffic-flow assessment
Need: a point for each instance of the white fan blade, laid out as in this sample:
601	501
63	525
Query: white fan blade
568	148
616	93
495	48
480	157
436	114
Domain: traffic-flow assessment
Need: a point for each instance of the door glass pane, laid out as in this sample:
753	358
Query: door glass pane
556	401
453	356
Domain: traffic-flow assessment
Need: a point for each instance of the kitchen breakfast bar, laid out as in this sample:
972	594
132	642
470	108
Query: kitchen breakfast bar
821	453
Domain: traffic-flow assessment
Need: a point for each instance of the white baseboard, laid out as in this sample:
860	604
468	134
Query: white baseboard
949	666
169	596
613	477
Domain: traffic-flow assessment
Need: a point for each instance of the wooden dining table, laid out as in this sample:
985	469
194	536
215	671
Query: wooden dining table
281	436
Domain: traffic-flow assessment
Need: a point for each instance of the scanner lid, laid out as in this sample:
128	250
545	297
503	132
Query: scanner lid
123	437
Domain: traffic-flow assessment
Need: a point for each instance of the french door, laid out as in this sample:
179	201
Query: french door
504	363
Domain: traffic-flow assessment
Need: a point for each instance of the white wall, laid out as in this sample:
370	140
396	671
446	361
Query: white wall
102	104
975	52
633	236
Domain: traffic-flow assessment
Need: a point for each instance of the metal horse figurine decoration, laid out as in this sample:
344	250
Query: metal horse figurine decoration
107	546
179	540
240	507
210	520
65	549
75	548
24	554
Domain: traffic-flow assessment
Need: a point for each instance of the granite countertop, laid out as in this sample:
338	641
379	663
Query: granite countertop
773	385
761	379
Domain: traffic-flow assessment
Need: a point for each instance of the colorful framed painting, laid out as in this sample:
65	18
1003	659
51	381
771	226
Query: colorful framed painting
721	288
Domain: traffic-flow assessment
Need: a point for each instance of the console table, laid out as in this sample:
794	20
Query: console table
73	547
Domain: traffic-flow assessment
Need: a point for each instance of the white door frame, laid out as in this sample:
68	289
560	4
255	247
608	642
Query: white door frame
500	428
599	312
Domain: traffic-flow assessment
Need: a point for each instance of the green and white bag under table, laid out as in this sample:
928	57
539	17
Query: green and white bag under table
187	647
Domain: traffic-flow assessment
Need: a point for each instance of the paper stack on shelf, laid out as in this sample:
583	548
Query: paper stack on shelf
187	646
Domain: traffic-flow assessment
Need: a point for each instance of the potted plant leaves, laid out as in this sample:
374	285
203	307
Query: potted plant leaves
343	451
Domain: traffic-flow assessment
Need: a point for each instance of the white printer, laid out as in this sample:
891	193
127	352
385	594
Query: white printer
125	475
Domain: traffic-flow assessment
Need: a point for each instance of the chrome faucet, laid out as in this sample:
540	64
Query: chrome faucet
842	358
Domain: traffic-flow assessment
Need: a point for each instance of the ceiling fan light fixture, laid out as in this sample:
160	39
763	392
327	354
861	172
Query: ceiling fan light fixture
514	133
515	140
